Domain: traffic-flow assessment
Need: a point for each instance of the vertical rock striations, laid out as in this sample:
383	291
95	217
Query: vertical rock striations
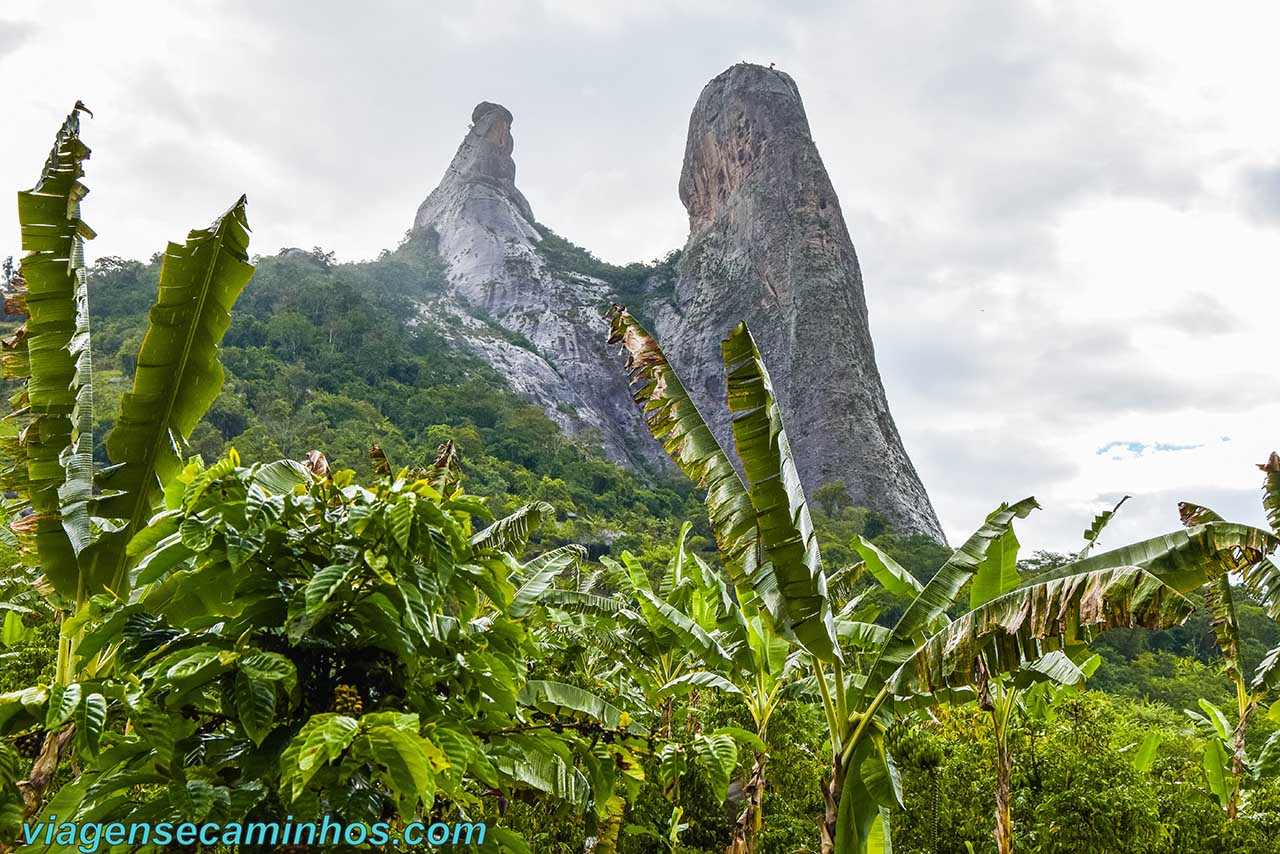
543	329
768	245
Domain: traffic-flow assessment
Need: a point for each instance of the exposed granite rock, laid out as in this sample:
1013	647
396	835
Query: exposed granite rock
542	329
768	244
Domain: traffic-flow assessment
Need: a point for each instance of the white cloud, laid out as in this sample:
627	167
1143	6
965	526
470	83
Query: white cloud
1068	216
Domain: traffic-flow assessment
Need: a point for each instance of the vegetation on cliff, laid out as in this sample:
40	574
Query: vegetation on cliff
357	577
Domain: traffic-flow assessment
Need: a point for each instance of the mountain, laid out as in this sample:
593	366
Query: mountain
767	244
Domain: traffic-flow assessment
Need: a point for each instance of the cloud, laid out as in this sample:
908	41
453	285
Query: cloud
1065	214
1117	449
13	35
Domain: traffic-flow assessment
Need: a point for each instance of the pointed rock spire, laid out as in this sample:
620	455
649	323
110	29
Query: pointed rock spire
768	244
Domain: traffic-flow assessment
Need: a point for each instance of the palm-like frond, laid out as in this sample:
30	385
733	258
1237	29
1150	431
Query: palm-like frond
1020	627
782	515
675	421
178	377
52	454
511	533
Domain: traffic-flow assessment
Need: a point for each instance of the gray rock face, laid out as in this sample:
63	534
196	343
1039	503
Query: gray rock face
542	329
767	245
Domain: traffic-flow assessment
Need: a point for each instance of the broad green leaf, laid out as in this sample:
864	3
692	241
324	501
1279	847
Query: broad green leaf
13	630
405	762
690	634
1055	667
546	773
1146	753
718	757
177	379
886	570
91	720
400	519
52	466
537	575
1218	718
63	702
269	667
673	763
675	421
786	532
880	840
322	739
857	809
998	571
744	736
1215	764
698	679
325	583
511	533
542	693
255	706
281	477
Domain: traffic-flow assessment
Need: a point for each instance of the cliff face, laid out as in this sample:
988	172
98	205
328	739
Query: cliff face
541	328
767	244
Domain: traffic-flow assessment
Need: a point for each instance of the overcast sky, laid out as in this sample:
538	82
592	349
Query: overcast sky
1068	215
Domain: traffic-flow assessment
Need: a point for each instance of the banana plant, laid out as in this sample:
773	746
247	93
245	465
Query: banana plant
74	522
1226	750
686	635
81	519
771	556
1028	689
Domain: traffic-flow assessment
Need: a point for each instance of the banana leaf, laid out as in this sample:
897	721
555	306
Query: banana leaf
52	453
178	377
782	515
928	609
1020	627
675	421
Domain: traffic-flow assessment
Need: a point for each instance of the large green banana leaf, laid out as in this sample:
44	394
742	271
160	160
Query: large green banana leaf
782	514
1263	578
1218	597
1185	560
178	377
675	421
929	608
1020	627
998	571
52	454
511	533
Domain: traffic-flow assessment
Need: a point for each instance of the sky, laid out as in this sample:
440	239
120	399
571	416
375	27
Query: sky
1067	215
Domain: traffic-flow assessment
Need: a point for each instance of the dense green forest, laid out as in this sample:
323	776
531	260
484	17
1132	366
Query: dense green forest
355	577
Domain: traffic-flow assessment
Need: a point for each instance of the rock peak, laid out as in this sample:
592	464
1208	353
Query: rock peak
745	119
768	245
483	161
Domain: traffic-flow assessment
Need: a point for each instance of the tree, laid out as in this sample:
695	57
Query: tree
832	497
76	520
1226	748
300	645
767	545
